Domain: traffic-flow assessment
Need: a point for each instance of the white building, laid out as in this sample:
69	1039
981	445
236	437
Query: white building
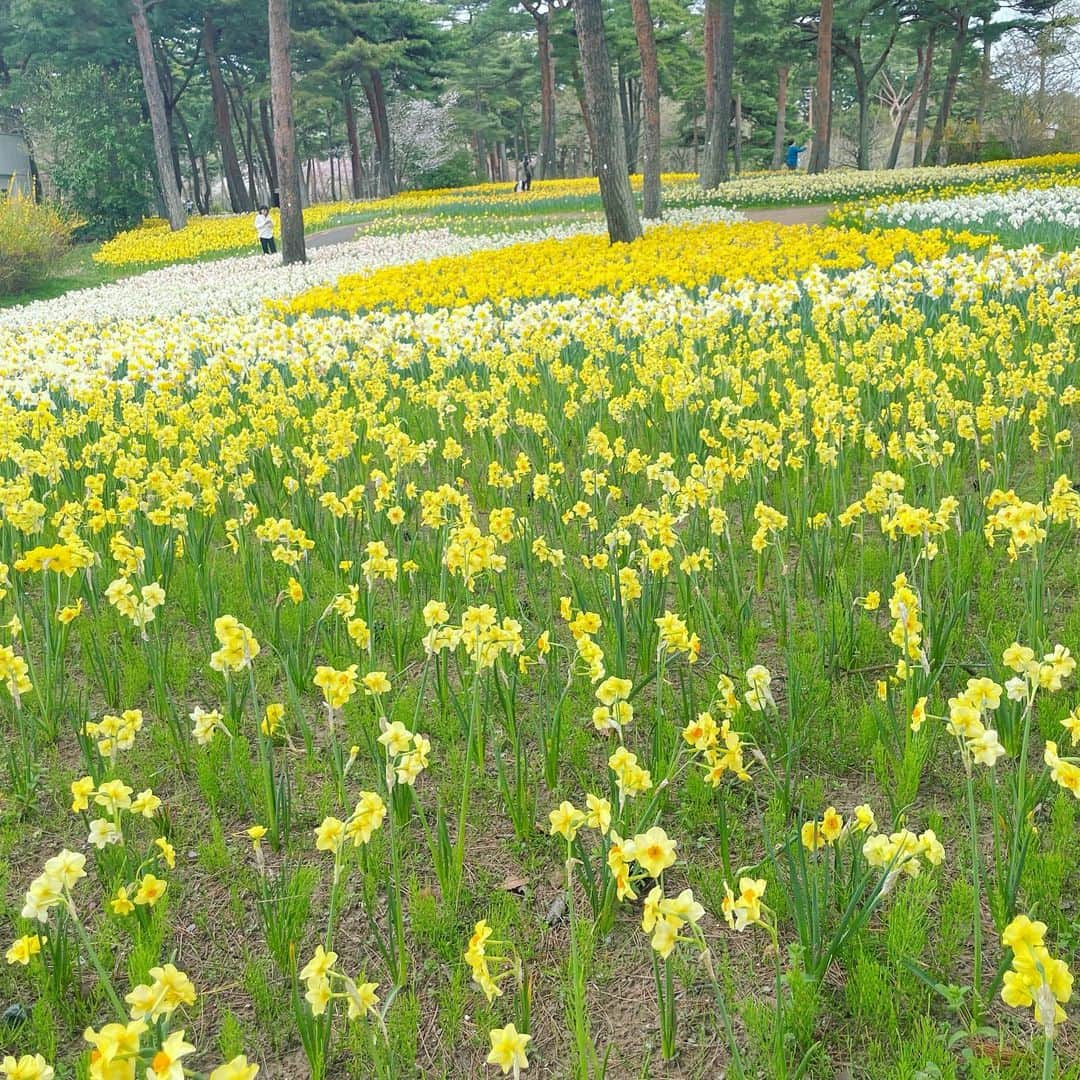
14	165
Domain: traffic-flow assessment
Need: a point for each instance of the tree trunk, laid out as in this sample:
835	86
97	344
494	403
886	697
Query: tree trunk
260	149
862	100
781	117
822	99
155	101
633	142
37	191
720	49
292	216
984	80
164	74
709	29
948	95
624	112
174	148
207	193
479	154
244	122
380	123
193	162
354	142
268	136
737	157
924	99
586	119
650	82
545	166
905	111
619	209
234	182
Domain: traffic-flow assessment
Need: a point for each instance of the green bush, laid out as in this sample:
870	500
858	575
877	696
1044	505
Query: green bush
33	239
457	172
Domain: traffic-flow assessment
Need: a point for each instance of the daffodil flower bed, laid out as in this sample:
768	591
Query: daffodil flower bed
682	630
480	207
1028	213
153	242
668	255
843	185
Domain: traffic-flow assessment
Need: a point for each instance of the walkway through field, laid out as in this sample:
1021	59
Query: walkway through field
783	215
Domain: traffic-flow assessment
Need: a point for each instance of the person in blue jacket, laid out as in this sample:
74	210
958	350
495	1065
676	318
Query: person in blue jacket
791	158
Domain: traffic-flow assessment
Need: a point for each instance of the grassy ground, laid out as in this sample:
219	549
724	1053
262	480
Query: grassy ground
873	1017
77	271
896	1002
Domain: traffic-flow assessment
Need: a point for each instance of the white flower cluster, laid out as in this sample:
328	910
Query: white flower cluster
844	185
241	283
992	211
87	358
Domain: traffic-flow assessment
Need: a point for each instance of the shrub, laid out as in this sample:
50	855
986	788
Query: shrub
33	239
457	172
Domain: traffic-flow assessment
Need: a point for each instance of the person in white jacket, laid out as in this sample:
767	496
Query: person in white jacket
264	229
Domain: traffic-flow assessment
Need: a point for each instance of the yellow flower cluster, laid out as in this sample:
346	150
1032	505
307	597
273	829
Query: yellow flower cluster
488	964
406	753
115	733
154	242
1035	980
364	821
238	645
317	974
684	256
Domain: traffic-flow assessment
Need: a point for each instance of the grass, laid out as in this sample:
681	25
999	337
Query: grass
877	1021
77	271
872	1016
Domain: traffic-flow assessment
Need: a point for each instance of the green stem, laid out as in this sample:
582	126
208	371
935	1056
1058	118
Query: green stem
106	980
398	914
973	822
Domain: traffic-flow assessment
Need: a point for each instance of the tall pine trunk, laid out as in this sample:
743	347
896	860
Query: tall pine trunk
984	80
155	103
781	117
260	148
948	94
650	95
380	123
924	99
586	119
862	95
545	168
737	128
822	100
719	71
292	215
234	181
355	163
268	138
203	206
619	209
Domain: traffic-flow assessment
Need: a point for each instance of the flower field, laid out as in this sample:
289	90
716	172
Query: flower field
1026	214
505	654
498	209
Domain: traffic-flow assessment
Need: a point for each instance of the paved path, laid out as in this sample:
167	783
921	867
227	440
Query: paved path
782	215
340	235
790	215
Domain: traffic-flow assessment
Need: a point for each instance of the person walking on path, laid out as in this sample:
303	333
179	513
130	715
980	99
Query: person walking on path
264	229
791	157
